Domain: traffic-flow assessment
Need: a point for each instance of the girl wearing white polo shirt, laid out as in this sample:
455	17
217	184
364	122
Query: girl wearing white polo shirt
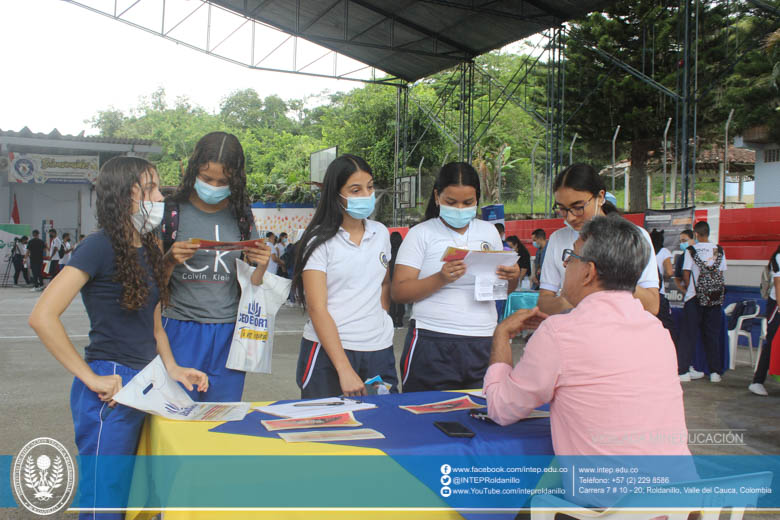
579	196
341	276
448	343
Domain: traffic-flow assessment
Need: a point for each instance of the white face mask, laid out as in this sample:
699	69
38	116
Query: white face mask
148	216
566	223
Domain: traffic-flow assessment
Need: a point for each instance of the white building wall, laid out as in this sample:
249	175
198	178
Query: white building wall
767	187
6	199
58	203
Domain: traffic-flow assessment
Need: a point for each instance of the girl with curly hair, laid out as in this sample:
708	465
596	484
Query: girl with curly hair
210	203
119	272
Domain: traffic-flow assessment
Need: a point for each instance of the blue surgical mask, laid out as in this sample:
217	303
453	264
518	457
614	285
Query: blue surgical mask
683	245
535	244
209	194
360	207
457	217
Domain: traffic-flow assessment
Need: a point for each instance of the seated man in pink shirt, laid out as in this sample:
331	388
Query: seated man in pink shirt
608	368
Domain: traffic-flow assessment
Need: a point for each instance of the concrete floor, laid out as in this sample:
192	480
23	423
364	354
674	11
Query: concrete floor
35	388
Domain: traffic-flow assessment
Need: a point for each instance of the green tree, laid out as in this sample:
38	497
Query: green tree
645	35
109	122
242	109
753	89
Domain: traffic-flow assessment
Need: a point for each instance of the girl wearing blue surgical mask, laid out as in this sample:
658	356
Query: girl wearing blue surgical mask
210	203
341	276
448	343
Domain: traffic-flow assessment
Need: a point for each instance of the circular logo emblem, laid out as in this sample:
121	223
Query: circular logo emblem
384	260
485	246
24	169
43	476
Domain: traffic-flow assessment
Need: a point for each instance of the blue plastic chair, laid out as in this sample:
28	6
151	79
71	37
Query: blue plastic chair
520	300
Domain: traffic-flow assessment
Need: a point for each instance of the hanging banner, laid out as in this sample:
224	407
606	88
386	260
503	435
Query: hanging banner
52	169
672	222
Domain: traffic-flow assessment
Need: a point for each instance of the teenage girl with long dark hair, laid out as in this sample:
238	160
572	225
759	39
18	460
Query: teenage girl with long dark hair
119	272
342	278
449	339
579	196
211	203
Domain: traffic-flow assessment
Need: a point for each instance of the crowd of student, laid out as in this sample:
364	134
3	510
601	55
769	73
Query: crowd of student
601	355
28	256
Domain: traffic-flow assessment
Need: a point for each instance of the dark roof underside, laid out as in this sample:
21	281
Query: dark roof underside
412	39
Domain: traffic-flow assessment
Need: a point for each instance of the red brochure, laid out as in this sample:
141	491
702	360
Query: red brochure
225	246
450	405
323	421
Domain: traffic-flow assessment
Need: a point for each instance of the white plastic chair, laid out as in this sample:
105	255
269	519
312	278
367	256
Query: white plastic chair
630	507
750	311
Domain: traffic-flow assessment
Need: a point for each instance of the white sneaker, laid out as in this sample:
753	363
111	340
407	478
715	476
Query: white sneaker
695	374
714	377
758	389
685	378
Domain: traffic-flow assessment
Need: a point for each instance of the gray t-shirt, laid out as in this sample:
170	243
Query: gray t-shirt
205	288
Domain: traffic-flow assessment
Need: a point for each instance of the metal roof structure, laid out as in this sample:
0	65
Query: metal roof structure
412	39
27	140
345	39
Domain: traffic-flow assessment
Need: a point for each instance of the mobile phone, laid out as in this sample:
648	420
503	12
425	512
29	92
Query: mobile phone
481	415
453	429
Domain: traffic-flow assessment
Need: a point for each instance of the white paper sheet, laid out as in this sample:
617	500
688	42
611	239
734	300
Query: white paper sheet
315	407
486	262
329	436
153	391
490	287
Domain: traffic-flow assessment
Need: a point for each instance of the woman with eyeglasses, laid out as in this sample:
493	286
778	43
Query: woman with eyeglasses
579	196
450	333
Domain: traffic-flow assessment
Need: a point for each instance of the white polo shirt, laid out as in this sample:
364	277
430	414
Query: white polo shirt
772	291
273	267
54	249
278	250
660	258
354	276
706	253
553	271
452	309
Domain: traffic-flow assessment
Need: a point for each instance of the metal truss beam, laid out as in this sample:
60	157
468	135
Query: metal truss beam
162	27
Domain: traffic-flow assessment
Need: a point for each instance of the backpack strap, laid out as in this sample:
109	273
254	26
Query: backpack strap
170	224
697	261
719	259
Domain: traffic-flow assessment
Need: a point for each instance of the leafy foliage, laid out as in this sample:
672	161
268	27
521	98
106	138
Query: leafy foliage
735	71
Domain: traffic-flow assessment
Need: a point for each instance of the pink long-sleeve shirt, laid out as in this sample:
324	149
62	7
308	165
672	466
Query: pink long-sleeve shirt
609	371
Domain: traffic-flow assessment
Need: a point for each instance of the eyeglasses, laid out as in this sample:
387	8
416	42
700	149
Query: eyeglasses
576	211
569	253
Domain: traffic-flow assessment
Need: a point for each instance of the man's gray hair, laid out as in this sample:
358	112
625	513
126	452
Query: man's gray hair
618	249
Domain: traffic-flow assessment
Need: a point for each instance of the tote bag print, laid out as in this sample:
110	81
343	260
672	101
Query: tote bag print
253	337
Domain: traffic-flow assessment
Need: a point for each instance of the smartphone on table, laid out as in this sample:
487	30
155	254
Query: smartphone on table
453	429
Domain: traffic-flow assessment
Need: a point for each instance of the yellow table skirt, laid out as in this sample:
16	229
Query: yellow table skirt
168	437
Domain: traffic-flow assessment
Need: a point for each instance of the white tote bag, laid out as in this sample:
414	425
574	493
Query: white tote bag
153	391
253	339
